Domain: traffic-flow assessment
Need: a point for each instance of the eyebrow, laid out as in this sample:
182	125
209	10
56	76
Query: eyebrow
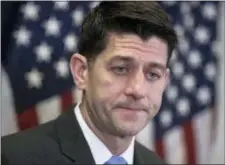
157	65
130	59
121	58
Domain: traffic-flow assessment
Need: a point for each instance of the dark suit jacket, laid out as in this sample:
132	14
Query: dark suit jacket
60	141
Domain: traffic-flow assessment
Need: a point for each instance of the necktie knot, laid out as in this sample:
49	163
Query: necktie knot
116	160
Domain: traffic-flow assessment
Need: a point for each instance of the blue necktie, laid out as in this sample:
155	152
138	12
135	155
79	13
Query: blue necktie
116	160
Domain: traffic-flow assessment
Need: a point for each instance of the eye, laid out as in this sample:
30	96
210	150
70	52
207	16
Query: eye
120	70
152	76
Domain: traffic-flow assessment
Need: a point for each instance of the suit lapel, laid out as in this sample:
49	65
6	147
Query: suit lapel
73	143
72	140
137	156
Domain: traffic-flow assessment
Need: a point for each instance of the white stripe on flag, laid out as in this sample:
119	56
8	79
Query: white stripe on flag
48	109
8	117
146	136
217	152
202	125
174	146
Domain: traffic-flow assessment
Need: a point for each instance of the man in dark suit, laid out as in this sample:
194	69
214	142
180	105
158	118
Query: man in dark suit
122	69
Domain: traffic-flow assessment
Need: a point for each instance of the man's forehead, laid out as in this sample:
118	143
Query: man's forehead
133	45
128	37
133	42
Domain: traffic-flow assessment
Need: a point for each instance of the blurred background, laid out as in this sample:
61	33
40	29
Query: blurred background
38	37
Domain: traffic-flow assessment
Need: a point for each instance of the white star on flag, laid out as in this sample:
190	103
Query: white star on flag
70	42
34	78
183	106
179	30
178	69
183	45
43	52
203	95
52	27
188	21
194	59
202	35
62	68
210	71
78	16
62	5
172	92
185	8
189	83
166	118
22	36
30	11
209	11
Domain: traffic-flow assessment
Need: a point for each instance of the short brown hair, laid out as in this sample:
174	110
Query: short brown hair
143	18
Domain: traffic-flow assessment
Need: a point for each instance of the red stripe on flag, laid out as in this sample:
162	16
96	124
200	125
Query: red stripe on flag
28	118
160	149
66	100
190	142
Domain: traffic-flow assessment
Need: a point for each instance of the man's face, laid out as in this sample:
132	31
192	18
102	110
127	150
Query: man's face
125	84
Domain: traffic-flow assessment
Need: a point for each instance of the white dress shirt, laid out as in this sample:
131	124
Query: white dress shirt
100	152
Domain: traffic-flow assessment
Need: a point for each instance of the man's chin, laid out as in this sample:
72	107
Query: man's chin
129	131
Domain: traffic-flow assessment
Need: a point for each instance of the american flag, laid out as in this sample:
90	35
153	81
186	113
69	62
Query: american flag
46	35
182	130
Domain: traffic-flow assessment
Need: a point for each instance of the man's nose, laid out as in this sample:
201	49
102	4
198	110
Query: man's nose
136	86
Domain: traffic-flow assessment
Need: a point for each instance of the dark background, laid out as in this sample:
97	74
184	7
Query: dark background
9	10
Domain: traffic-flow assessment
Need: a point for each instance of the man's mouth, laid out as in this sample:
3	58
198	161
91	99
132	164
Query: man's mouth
132	108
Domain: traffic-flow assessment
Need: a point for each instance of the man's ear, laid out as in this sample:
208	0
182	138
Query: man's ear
79	70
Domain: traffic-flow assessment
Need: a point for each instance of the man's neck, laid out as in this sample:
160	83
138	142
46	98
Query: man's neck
115	144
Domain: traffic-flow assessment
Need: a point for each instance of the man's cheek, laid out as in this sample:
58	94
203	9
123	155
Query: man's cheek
159	88
156	95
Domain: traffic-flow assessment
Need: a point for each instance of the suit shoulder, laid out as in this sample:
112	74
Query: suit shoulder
29	141
149	155
39	145
29	134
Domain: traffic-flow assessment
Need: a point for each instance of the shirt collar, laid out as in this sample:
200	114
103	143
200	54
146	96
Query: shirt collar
98	149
